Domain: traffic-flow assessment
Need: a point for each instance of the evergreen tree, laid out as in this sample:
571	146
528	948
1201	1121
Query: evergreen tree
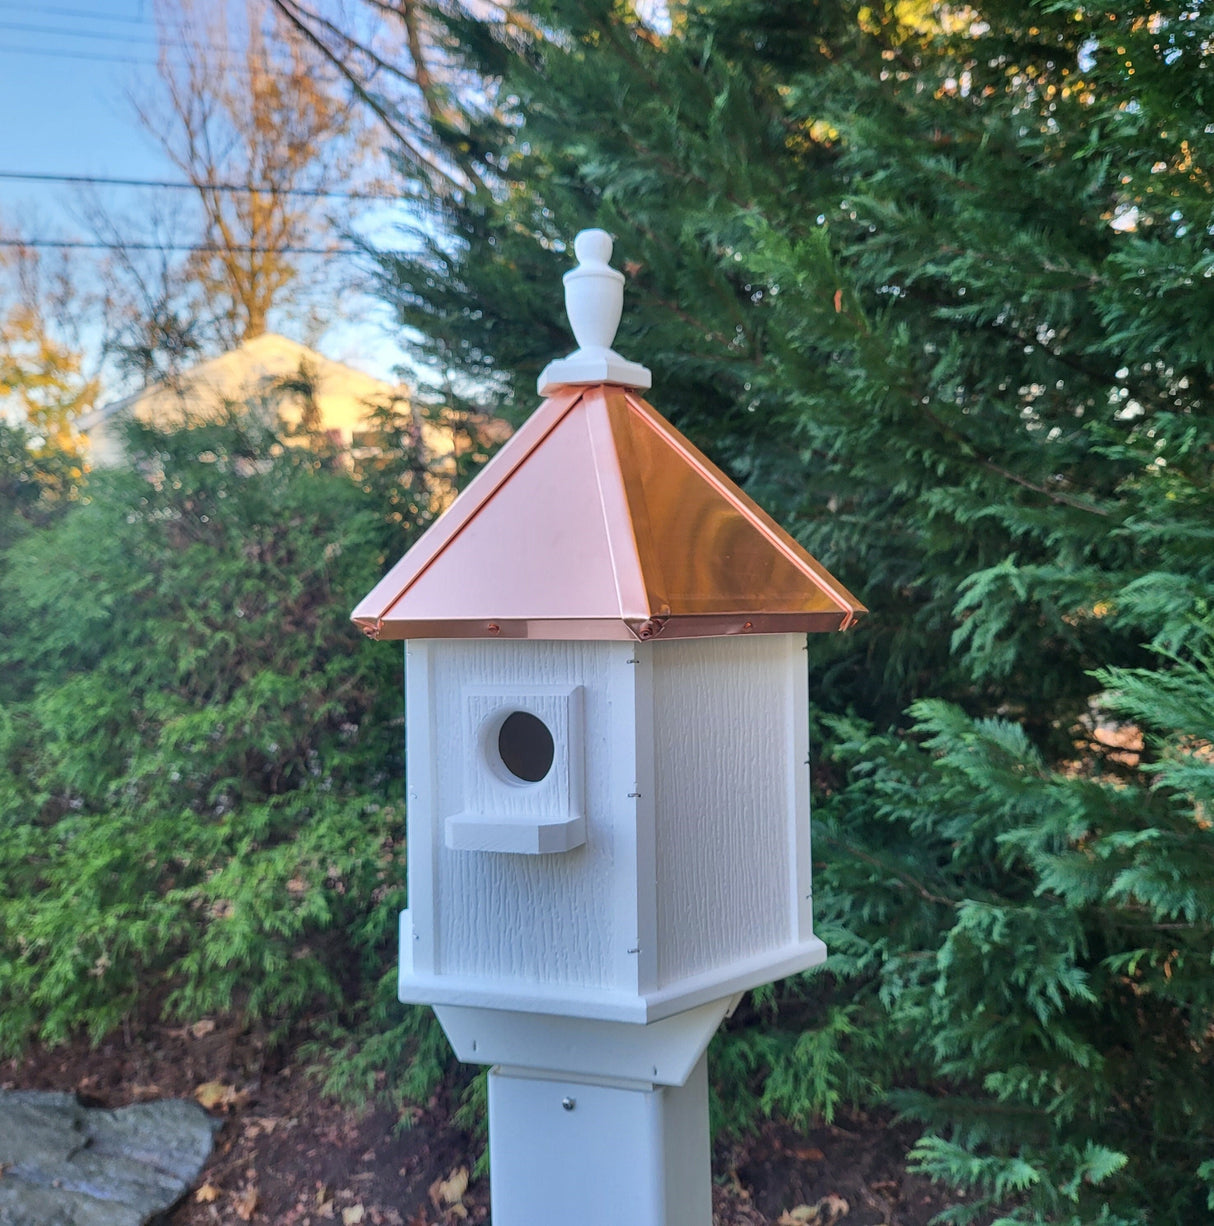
934	283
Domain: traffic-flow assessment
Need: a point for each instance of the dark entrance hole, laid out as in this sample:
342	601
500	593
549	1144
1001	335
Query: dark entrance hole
525	746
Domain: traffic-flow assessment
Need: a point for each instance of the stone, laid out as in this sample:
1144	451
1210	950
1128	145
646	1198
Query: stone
63	1164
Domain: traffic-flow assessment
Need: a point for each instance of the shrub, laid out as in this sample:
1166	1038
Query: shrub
201	805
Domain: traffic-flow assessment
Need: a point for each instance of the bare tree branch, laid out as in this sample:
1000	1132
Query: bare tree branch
443	179
277	128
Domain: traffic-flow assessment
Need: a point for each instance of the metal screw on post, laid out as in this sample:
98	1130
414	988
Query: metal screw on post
568	1103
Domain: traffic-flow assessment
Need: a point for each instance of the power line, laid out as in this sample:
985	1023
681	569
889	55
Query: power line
101	57
199	249
50	10
151	38
145	37
91	57
24	27
178	185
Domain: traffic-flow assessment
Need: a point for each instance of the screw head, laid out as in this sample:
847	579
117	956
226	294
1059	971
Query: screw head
569	1103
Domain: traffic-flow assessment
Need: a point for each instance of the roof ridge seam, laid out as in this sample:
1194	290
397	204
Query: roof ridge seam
607	461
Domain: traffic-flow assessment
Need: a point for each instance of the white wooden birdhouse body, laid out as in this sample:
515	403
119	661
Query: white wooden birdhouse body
660	861
515	884
606	712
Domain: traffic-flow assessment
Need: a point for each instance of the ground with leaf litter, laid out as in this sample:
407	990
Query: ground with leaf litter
287	1157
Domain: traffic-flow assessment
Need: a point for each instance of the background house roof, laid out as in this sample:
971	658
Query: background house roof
255	369
250	368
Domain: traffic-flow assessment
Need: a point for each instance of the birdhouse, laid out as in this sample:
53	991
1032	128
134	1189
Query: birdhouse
608	782
606	709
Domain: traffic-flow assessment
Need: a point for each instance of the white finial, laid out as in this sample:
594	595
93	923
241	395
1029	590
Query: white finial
594	299
592	247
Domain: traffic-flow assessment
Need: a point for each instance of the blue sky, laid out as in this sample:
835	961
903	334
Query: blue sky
67	68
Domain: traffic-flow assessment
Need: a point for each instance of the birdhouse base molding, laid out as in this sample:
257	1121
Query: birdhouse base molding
599	1153
734	977
664	1053
557	1000
565	1000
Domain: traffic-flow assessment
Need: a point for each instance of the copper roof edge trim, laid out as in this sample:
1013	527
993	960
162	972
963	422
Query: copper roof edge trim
370	626
401	577
611	629
583	628
780	537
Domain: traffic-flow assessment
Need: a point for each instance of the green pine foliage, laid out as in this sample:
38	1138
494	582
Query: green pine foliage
1035	943
933	282
871	262
37	483
201	806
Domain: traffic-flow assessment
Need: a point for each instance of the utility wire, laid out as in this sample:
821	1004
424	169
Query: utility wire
51	10
100	57
200	249
178	185
24	27
132	39
149	39
90	57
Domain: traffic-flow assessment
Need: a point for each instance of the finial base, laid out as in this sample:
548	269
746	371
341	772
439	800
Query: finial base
594	366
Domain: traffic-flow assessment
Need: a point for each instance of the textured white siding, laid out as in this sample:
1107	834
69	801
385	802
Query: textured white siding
724	749
541	919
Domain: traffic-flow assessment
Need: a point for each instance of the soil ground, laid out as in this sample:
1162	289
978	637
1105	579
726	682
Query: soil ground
286	1156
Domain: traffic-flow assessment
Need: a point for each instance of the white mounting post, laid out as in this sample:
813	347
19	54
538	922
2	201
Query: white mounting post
594	300
598	1123
599	1154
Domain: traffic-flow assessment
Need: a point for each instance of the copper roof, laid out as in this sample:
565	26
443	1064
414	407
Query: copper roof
599	520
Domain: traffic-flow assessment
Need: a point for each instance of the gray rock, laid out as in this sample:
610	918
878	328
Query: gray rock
62	1164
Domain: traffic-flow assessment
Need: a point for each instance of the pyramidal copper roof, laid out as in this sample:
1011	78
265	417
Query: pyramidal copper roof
599	520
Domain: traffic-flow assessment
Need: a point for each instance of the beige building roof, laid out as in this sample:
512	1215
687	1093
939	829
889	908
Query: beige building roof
254	369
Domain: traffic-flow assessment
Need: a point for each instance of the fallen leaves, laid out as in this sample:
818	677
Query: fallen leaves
825	1212
259	1125
452	1188
323	1207
245	1204
448	1194
207	1194
215	1094
732	1205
